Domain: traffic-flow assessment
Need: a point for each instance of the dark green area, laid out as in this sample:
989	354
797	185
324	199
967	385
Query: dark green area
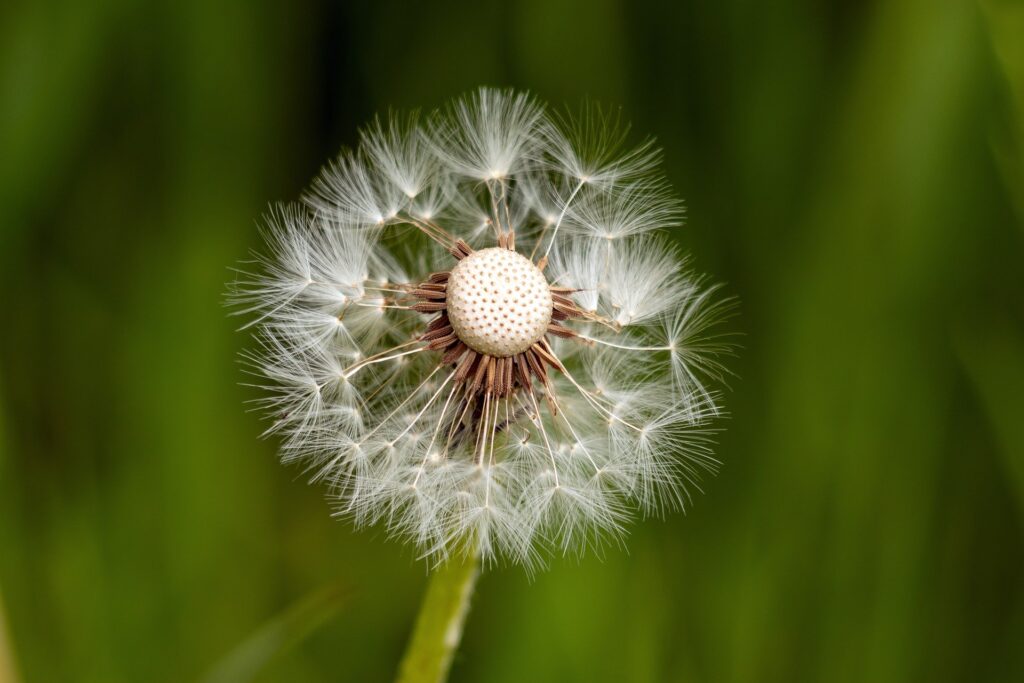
853	171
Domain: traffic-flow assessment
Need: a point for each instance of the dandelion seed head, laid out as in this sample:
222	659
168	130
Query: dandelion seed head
474	331
498	302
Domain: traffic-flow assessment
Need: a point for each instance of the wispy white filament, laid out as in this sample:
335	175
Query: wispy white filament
367	407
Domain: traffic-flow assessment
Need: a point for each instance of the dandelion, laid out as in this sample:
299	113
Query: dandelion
473	330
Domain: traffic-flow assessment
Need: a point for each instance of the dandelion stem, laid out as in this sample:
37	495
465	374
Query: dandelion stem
438	629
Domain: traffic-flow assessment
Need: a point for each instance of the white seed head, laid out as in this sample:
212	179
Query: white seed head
499	303
448	389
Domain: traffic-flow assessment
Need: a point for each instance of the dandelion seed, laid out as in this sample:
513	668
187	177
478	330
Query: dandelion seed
471	330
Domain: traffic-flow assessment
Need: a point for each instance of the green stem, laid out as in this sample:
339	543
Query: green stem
438	630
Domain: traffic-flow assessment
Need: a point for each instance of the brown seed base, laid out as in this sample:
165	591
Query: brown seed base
482	375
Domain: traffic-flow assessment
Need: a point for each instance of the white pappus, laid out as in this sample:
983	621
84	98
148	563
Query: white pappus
475	331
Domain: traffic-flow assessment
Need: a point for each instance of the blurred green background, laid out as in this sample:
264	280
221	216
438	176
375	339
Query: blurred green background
854	171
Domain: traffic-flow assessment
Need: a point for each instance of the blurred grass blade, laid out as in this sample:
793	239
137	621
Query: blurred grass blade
277	636
1005	24
994	360
8	670
8	667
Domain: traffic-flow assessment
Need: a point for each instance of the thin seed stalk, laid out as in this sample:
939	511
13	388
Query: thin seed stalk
438	630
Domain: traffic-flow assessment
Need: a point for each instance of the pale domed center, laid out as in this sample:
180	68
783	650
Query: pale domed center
499	303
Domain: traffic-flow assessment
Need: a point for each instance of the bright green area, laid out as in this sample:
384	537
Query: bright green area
853	171
437	634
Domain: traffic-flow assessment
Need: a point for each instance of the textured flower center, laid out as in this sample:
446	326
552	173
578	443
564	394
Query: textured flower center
499	303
